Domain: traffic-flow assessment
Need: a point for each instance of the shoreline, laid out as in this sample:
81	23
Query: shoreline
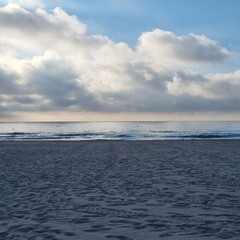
122	140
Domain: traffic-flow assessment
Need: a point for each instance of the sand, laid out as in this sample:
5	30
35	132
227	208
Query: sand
143	190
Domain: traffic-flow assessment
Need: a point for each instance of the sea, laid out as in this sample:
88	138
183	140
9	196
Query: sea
162	130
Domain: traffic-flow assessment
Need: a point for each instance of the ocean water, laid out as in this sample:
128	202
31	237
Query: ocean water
119	130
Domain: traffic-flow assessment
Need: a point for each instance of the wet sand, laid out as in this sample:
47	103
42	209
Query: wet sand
141	190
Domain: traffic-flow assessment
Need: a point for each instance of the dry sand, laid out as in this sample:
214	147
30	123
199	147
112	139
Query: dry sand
143	190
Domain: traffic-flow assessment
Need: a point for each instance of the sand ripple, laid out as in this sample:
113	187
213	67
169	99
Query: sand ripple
120	190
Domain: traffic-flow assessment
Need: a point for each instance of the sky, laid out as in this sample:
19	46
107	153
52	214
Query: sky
119	60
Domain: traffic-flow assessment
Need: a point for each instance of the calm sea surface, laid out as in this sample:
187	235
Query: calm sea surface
119	130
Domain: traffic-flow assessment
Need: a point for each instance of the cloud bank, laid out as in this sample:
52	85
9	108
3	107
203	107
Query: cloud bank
50	63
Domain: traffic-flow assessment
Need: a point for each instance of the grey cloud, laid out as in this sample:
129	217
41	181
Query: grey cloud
193	48
226	89
150	97
145	75
187	103
57	82
189	76
8	82
24	100
10	108
5	112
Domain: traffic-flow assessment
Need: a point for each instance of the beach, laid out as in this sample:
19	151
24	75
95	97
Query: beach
141	190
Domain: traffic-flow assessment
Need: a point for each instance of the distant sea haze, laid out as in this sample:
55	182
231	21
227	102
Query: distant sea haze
119	131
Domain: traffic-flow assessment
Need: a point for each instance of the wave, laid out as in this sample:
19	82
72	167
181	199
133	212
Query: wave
17	133
63	136
154	131
216	135
151	135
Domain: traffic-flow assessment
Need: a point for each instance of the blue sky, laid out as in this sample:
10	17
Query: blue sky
119	60
126	20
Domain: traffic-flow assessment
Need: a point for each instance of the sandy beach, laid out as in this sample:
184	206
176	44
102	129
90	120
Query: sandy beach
141	190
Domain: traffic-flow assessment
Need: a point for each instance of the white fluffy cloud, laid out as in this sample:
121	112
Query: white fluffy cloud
39	29
25	3
50	63
165	48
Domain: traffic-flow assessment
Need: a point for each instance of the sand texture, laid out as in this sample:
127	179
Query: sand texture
143	190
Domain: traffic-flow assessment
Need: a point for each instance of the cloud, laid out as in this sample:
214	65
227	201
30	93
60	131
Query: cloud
8	82
166	48
225	86
54	80
39	28
25	3
50	63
